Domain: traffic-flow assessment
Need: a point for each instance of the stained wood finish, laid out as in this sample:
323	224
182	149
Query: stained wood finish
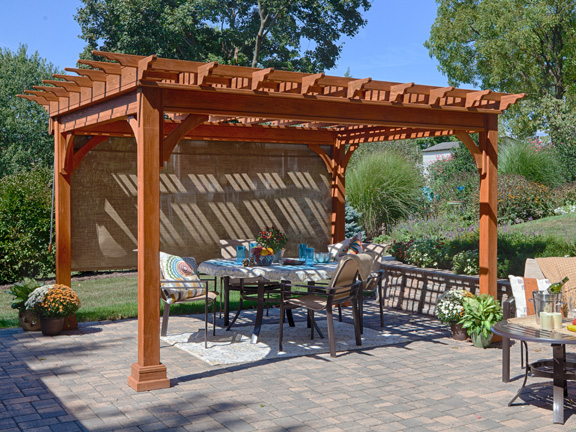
488	207
62	213
148	373
166	100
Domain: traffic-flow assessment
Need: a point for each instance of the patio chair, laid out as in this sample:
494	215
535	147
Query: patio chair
179	282
343	287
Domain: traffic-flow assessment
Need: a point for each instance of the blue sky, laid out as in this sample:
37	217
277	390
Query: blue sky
389	48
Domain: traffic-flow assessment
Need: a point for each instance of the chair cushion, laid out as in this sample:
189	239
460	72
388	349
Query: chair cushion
182	276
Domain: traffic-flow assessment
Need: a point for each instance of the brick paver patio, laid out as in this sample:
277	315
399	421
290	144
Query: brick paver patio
77	381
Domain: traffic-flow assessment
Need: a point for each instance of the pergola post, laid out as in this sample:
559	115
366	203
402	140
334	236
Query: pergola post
62	203
488	144
338	191
148	373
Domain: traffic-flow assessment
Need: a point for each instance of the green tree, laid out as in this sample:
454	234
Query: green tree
514	46
257	33
25	200
24	138
507	45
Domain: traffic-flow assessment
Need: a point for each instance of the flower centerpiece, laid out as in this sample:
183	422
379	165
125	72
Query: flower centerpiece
53	303
274	239
450	310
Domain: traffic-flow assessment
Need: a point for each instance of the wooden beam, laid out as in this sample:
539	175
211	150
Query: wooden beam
62	211
356	87
94	75
49	97
287	106
474	98
109	68
225	132
67	163
85	149
180	132
99	112
325	158
310	83
398	91
438	93
488	243
508	100
472	147
148	373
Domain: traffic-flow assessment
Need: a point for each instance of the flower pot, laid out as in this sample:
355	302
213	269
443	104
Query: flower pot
70	323
29	321
458	333
478	340
278	255
51	326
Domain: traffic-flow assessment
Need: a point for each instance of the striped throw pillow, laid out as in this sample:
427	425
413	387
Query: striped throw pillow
183	276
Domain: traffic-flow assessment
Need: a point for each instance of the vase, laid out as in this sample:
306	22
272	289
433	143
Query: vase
478	340
29	321
51	326
458	333
278	255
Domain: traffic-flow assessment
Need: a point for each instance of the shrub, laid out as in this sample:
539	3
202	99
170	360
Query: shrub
384	188
25	200
520	200
537	163
466	262
428	252
352	222
460	253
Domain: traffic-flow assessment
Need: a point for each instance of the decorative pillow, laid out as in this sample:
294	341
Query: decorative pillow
522	289
182	273
354	247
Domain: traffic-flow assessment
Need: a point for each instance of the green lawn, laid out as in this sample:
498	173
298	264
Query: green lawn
563	227
108	298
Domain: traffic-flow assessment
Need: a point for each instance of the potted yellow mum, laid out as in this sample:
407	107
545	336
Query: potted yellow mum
53	303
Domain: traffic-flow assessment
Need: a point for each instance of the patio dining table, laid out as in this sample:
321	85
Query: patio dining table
227	269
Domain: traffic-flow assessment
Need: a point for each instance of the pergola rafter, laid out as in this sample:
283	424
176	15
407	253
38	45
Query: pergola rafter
162	101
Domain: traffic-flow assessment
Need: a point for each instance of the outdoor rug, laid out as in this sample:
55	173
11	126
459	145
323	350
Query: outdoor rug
231	347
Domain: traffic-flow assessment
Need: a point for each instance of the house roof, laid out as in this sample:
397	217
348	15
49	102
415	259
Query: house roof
443	146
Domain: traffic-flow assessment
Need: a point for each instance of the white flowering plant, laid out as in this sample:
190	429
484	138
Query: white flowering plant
450	305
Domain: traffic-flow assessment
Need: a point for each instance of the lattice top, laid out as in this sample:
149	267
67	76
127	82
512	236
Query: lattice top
125	72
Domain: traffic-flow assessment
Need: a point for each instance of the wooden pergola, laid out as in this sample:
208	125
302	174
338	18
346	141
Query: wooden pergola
161	101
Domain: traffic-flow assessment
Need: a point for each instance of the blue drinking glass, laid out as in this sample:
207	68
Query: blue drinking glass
240	254
302	251
309	256
252	246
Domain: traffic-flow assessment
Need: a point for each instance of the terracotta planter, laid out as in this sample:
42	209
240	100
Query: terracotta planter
70	323
29	321
480	341
458	333
51	326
